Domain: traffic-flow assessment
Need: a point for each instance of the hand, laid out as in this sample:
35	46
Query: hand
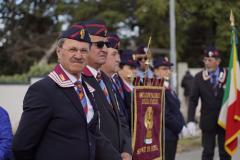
126	156
191	126
185	133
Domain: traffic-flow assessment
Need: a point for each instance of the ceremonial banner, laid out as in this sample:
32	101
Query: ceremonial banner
147	131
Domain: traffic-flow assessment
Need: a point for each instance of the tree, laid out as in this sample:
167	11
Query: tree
31	27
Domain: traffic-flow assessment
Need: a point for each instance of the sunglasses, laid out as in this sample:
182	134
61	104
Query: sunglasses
142	58
100	44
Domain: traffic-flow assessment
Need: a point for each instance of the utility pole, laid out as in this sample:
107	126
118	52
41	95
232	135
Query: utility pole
173	42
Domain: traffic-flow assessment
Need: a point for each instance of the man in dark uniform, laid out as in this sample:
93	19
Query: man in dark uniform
113	124
111	68
208	86
60	117
174	122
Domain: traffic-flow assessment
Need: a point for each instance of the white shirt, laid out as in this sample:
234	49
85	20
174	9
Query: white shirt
93	71
90	112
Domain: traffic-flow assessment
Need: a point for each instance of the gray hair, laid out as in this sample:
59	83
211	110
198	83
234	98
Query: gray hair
61	42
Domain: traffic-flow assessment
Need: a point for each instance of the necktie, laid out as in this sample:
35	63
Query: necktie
214	79
81	96
103	87
214	84
118	85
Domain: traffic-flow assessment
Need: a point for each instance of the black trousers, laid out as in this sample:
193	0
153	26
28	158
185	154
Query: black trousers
209	143
170	149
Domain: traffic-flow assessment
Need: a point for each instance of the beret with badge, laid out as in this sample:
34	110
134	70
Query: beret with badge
211	52
96	27
162	61
126	58
141	49
76	32
113	41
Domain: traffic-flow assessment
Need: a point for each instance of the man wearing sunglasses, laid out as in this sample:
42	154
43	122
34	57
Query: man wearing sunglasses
113	123
141	56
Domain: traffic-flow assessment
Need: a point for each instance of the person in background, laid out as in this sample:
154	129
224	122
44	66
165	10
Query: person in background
174	122
127	70
5	135
60	119
186	84
143	69
208	86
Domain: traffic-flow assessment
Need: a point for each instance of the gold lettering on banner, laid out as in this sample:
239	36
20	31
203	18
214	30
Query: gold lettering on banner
147	149
150	101
149	98
143	95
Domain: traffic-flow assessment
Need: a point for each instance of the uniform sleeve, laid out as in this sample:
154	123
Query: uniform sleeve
5	135
193	99
173	117
126	136
34	121
104	148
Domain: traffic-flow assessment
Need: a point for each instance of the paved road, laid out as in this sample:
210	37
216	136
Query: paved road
193	155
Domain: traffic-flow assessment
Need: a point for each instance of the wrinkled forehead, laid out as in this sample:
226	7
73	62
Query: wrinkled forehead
97	38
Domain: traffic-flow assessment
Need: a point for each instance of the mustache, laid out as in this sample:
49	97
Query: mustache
77	60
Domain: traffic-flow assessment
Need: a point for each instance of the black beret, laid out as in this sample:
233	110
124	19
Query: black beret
141	49
113	40
211	52
76	32
96	27
162	61
126	57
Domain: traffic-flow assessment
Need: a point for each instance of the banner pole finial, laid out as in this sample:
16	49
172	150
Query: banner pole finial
232	19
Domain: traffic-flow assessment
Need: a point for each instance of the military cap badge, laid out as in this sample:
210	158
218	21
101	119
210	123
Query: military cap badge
82	33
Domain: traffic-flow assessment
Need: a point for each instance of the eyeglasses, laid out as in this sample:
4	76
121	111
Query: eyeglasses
142	58
100	44
76	50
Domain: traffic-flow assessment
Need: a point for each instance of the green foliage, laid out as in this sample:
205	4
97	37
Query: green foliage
152	17
35	71
31	27
40	70
202	23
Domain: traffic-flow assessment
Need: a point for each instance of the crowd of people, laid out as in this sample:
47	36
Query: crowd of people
82	109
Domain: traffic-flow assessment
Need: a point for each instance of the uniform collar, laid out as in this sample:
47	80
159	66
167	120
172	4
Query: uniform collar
221	75
64	79
70	76
216	72
90	71
59	76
